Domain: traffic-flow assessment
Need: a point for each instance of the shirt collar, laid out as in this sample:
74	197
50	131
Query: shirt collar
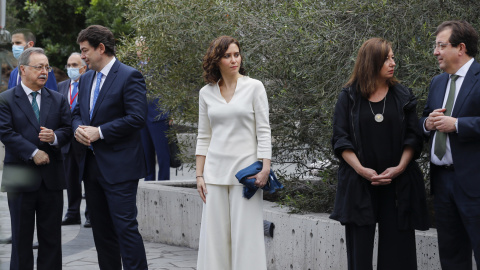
106	69
28	90
462	72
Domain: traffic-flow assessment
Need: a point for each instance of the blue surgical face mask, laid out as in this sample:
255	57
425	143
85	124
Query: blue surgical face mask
17	50
73	73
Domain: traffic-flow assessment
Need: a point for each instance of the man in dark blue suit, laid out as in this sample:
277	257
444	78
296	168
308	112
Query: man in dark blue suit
451	121
69	88
23	39
34	124
109	115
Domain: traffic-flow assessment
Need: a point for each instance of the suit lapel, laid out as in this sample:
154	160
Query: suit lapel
84	93
65	89
24	104
45	102
112	74
467	86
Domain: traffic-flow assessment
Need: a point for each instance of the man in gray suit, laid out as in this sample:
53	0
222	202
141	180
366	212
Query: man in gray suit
76	66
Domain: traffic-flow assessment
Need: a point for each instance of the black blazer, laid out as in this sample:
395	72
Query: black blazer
19	131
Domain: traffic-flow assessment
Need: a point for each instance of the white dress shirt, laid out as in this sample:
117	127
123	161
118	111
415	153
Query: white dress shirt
104	71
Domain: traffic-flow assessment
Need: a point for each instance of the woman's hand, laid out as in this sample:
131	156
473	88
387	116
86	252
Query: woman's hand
387	176
202	188
261	178
372	176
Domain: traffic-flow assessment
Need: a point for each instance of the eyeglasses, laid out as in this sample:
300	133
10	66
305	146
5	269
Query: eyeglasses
72	66
440	46
40	68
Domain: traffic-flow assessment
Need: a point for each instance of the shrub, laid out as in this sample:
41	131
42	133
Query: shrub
303	51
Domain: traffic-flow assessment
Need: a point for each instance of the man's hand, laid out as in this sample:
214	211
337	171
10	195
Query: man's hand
87	135
46	135
445	124
41	158
430	122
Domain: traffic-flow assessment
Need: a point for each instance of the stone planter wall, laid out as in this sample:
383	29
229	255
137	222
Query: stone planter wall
172	215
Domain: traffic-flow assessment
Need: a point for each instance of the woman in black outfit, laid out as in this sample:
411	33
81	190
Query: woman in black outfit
377	139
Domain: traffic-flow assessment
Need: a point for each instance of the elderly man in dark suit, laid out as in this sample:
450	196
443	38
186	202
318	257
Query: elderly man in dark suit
34	124
451	122
76	66
107	120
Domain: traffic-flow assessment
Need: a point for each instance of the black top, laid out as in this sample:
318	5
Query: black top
379	139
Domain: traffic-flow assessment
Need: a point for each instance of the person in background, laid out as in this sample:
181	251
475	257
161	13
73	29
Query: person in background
34	123
23	39
377	139
233	133
450	122
154	134
76	66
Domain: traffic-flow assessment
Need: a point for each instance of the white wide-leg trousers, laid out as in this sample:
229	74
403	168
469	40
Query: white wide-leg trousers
231	234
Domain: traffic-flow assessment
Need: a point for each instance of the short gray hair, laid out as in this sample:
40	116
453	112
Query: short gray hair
24	58
76	53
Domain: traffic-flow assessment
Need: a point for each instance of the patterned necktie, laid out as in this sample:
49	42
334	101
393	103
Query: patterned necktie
36	110
441	137
95	93
73	96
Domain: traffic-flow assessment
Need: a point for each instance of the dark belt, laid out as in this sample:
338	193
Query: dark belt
445	167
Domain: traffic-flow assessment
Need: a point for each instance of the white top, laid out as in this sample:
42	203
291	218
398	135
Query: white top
233	135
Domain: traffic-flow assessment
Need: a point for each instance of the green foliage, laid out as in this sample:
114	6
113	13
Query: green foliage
56	24
302	50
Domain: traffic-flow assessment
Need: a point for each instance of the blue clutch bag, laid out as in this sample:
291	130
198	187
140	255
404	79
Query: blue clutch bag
249	188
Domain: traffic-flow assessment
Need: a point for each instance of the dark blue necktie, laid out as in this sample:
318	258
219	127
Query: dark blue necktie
95	93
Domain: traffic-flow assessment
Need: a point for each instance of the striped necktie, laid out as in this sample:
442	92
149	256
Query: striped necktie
95	93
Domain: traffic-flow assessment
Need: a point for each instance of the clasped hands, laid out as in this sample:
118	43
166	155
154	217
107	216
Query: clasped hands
437	120
46	135
384	178
87	134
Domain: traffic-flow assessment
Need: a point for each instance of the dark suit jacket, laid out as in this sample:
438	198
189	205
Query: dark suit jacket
120	112
465	144
19	131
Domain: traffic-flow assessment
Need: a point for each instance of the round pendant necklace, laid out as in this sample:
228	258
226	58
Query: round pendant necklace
379	116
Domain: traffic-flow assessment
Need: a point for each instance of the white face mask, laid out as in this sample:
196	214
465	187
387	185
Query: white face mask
74	73
17	50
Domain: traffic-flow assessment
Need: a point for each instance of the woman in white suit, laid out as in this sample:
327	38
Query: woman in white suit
233	133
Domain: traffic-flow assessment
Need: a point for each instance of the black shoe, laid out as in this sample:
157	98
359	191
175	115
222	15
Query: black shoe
35	245
71	221
7	240
87	224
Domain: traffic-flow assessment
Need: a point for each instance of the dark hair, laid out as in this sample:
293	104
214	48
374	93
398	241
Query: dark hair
215	52
96	34
462	32
27	34
370	60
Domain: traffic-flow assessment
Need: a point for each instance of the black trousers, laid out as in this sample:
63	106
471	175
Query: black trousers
396	248
74	187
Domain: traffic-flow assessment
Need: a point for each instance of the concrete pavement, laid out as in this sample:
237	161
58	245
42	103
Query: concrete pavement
78	247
